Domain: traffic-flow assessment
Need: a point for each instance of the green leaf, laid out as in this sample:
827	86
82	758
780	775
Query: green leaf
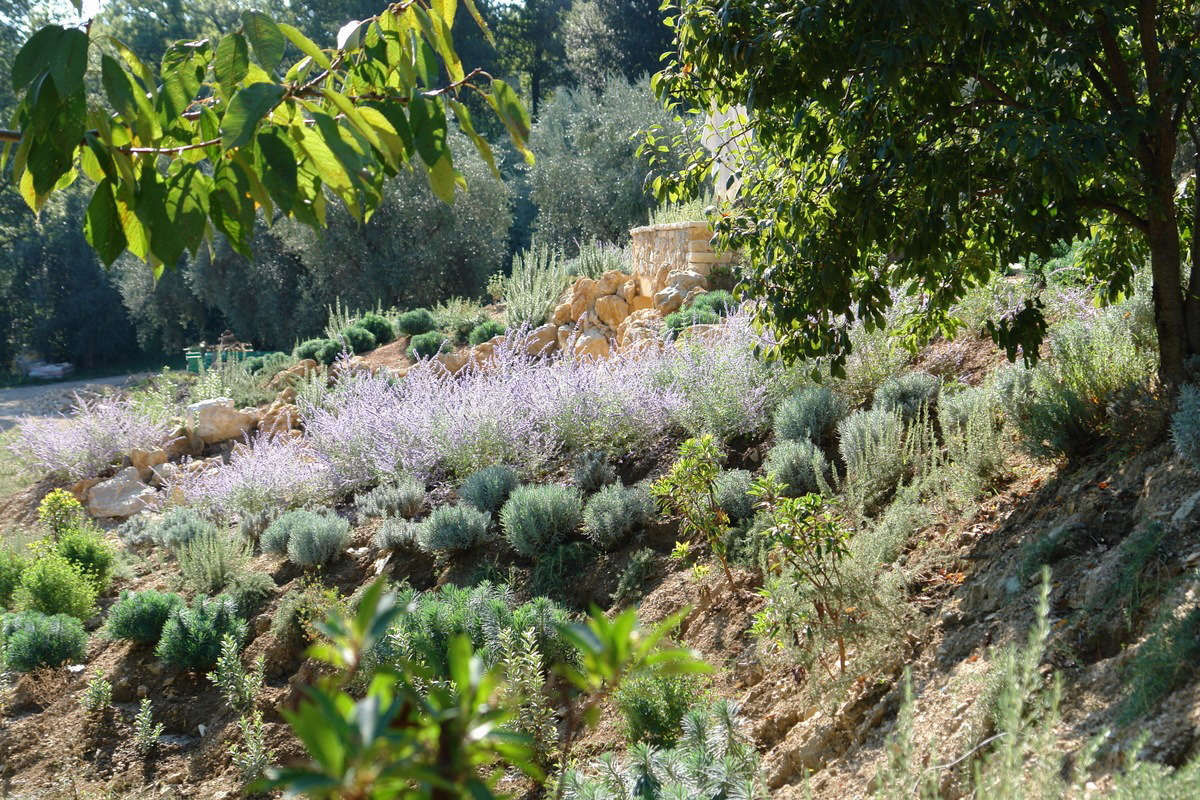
507	105
442	178
128	99
246	110
231	207
137	67
232	61
102	226
35	56
428	122
304	45
323	160
277	166
68	63
266	38
187	205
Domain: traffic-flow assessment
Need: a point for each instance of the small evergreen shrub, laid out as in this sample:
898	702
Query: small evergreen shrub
616	512
314	539
637	570
179	526
310	349
592	470
720	302
871	443
488	488
191	637
53	585
404	498
1185	425
556	574
358	339
908	394
397	535
137	532
60	512
98	694
140	616
458	317
732	489
31	640
536	518
1164	662
301	610
811	414
250	592
677	321
86	549
427	345
11	566
485	332
146	732
416	322
379	326
453	528
251	524
654	706
800	466
210	561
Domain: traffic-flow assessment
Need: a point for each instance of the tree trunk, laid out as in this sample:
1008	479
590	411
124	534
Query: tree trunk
1169	317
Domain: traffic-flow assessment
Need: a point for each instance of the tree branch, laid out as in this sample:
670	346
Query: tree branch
1118	210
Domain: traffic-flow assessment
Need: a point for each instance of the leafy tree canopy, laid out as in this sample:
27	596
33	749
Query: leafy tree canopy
921	146
259	118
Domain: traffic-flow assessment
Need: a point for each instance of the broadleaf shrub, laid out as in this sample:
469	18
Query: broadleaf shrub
536	518
53	585
487	489
358	339
811	414
416	322
732	489
1185	424
485	332
453	528
140	616
31	640
191	637
427	345
799	465
615	512
908	394
379	326
592	471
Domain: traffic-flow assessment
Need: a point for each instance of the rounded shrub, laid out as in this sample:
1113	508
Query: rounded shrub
254	364
654	705
720	302
330	351
53	585
797	466
416	322
485	332
11	566
61	512
908	394
616	512
179	526
732	490
86	549
397	534
309	349
405	497
137	532
427	345
250	592
379	326
536	518
1185	424
32	640
191	637
488	488
358	339
592	470
140	616
811	414
307	538
677	321
453	528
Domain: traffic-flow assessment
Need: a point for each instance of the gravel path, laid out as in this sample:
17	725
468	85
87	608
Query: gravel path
50	399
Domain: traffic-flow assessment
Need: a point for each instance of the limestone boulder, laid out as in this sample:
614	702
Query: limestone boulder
562	314
542	341
216	420
454	360
669	299
610	282
144	461
611	310
301	369
122	495
279	418
640	328
565	332
583	295
592	343
628	290
640	302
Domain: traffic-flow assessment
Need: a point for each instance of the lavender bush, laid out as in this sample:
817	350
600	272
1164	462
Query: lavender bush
85	443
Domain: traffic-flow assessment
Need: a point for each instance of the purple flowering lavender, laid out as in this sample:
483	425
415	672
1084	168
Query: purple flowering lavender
87	441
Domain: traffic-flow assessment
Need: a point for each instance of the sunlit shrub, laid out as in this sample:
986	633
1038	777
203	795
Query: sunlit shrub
799	465
12	565
1185	424
307	538
397	535
720	302
379	326
31	640
731	488
871	443
191	637
53	585
427	345
592	471
536	518
485	332
358	339
453	528
677	321
405	497
415	322
140	616
907	394
811	414
180	525
86	549
488	488
653	707
210	561
614	513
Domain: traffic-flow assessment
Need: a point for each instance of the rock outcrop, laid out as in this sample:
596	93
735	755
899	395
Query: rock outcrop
216	420
122	495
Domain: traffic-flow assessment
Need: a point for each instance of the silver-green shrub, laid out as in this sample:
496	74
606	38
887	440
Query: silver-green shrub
871	443
732	489
592	471
179	526
488	488
211	560
907	394
1185	424
799	465
616	512
405	498
397	534
811	414
319	539
453	528
536	518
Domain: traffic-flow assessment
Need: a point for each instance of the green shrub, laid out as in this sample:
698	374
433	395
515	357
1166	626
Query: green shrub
1185	425
210	561
397	535
415	322
137	532
485	332
60	512
458	317
811	414
720	302
358	339
453	528
427	345
31	640
538	279
308	538
404	498
191	637
592	470
871	443
616	512
654	706
379	326
637	570
301	610
536	518
488	488
1163	663
556	574
86	549
908	394
250	592
179	526
53	585
310	349
677	321
11	566
800	466
330	351
140	616
732	489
